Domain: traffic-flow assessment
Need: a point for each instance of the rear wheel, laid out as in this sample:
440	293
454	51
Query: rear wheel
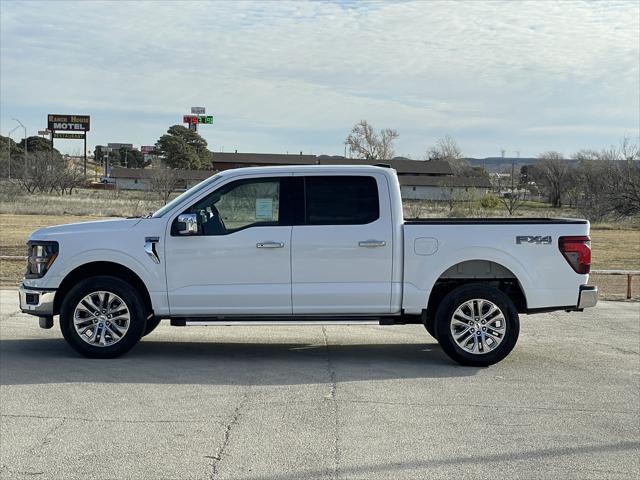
102	317
477	325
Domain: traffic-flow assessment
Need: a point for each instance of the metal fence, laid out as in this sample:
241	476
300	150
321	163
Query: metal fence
629	273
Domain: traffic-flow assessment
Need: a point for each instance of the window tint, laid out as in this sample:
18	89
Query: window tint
238	205
347	200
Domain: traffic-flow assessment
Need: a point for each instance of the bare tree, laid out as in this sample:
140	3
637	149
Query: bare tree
609	180
512	200
47	172
553	173
364	142
511	195
448	150
163	182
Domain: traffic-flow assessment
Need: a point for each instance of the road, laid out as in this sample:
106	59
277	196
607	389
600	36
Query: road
335	402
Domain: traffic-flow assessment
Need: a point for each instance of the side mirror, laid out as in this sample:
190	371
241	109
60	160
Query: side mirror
190	221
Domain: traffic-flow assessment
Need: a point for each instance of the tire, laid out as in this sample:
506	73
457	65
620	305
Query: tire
499	328
430	325
151	325
119	325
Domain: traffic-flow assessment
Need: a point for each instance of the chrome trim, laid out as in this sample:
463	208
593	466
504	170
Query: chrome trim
150	248
45	301
588	296
372	243
269	245
190	221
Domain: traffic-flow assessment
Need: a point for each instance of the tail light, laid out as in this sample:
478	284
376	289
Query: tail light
577	252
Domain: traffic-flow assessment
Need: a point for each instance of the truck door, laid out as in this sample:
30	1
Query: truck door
341	253
239	261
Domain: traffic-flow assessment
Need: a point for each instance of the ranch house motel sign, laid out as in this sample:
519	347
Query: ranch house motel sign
73	127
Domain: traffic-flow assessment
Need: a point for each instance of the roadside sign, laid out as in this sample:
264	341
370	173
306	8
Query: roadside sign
81	123
74	136
118	146
196	118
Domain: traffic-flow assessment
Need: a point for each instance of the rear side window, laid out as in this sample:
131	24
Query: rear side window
348	200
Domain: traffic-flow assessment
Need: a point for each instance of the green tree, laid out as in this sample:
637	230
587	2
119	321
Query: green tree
36	144
128	157
184	149
97	153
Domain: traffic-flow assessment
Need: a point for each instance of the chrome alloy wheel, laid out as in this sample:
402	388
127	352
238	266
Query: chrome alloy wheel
478	326
101	319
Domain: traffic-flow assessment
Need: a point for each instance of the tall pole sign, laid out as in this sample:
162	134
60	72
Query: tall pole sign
70	127
196	118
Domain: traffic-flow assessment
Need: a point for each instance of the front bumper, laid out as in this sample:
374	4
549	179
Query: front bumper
588	296
36	301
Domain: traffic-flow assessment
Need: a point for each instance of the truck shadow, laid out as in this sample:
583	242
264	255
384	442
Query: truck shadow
43	361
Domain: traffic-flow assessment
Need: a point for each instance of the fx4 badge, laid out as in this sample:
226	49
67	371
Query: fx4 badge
520	239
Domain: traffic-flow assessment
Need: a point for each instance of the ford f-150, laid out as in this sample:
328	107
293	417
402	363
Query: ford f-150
305	245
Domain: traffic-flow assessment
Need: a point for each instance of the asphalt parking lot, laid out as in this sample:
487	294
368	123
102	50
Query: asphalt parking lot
335	402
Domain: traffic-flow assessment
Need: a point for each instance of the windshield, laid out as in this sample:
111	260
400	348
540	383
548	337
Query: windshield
185	195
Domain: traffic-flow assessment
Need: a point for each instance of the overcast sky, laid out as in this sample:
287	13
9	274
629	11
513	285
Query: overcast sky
297	76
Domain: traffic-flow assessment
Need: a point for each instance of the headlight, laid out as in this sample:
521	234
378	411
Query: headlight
40	257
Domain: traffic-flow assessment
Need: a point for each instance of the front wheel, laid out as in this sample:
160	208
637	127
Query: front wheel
477	325
102	317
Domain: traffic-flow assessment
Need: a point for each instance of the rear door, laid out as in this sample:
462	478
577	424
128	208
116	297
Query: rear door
341	254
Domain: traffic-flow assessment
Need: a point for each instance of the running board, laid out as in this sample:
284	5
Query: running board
230	321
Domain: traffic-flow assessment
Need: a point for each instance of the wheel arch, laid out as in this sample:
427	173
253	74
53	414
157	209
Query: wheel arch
92	269
480	271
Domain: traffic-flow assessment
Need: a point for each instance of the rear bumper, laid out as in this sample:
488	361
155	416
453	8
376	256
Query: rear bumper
588	296
36	301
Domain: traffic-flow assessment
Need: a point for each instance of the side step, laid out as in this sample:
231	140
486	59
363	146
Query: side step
231	321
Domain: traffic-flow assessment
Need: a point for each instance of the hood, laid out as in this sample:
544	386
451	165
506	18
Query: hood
110	226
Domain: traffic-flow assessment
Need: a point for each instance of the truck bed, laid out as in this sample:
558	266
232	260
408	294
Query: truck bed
494	221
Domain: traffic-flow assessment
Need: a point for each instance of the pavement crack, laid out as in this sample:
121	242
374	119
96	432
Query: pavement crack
93	420
334	403
233	421
46	439
487	406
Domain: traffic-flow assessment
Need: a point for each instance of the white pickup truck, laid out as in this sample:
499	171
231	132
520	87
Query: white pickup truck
305	245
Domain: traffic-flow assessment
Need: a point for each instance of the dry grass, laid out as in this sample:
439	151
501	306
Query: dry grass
17	228
615	249
15	232
83	202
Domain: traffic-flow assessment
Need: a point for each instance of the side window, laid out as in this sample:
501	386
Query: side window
239	205
348	200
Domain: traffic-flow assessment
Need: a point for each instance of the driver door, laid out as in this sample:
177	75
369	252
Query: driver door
239	261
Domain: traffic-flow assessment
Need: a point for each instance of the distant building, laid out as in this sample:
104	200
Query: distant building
427	180
444	187
140	178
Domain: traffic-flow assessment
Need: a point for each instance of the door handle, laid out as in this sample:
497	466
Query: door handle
372	243
269	244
